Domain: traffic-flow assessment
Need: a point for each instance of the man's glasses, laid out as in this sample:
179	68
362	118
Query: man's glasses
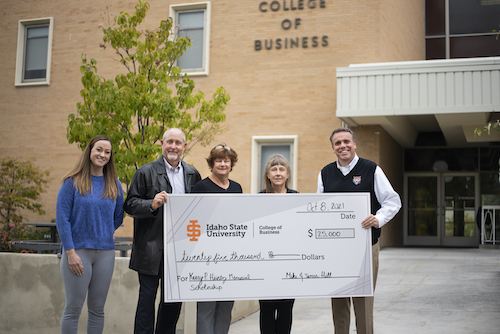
220	146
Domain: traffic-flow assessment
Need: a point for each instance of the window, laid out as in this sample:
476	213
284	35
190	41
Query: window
193	21
461	28
265	146
34	50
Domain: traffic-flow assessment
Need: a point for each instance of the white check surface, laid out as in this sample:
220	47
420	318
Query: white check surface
266	246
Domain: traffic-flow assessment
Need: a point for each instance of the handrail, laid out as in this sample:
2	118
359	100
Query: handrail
489	211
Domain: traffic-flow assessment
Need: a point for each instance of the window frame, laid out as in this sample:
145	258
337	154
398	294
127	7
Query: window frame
448	36
21	51
257	143
206	6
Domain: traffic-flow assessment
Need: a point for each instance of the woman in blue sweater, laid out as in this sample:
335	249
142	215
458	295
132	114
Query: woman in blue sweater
89	209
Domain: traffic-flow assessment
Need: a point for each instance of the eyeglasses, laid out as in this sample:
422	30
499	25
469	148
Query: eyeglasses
220	146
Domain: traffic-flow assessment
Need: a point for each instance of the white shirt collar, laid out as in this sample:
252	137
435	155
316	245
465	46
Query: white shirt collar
169	167
347	169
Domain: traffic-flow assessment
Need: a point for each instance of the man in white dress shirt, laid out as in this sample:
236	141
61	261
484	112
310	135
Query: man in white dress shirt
350	174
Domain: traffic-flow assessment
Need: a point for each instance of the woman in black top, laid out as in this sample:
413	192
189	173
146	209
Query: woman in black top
214	317
276	314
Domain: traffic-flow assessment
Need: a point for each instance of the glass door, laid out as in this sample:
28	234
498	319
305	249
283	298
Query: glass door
460	202
422	210
440	209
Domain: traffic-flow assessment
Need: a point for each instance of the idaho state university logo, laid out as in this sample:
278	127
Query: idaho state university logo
356	180
193	230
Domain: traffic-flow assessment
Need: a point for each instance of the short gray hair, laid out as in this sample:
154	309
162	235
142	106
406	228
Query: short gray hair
183	134
337	130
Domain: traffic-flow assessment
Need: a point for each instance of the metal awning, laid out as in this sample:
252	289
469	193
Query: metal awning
451	96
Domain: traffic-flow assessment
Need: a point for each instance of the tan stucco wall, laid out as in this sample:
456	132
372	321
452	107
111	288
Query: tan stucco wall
33	298
273	92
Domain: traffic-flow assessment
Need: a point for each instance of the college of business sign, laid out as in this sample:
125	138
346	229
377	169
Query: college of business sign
286	24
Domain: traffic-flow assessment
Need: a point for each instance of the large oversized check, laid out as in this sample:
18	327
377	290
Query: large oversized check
266	246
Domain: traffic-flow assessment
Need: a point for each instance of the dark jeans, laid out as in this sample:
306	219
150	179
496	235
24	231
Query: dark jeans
168	313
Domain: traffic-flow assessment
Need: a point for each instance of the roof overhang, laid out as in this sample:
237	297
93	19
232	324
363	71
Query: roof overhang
453	96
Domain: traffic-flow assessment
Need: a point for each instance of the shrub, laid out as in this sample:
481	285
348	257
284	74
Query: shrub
21	185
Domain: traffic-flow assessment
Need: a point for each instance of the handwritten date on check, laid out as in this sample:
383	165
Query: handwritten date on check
266	246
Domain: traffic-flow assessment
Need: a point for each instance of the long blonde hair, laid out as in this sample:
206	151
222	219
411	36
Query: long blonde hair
275	159
81	176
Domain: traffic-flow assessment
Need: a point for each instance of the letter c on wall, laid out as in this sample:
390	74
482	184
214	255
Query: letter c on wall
260	6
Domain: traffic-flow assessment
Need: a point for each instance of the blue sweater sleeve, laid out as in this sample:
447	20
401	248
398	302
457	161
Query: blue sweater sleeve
119	207
64	207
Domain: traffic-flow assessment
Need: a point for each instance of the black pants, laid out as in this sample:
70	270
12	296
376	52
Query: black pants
276	316
168	313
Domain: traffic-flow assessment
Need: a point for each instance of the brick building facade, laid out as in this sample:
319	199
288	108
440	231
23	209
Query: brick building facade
276	59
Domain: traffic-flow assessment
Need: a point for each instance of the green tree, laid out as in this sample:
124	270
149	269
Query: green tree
21	184
151	96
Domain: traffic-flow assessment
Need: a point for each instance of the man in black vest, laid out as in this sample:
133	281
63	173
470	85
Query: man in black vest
350	174
146	196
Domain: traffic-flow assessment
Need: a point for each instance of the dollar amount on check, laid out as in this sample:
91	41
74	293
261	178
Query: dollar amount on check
266	246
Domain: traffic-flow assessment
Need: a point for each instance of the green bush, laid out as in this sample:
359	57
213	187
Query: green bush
21	185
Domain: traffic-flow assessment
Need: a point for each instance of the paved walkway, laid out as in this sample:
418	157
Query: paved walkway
419	290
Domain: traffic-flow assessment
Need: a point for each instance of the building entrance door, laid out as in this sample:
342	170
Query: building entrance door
440	209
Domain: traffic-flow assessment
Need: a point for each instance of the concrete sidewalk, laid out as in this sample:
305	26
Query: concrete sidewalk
419	290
